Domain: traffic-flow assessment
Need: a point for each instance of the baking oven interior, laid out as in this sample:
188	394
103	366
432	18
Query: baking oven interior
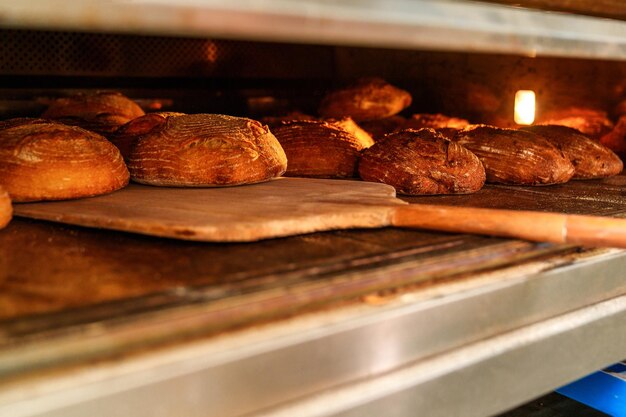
74	298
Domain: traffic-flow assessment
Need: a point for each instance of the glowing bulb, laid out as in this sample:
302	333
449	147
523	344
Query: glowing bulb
524	107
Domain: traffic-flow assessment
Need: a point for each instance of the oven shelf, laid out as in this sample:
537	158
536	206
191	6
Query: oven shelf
452	25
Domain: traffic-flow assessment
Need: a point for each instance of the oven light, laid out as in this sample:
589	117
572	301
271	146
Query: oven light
524	107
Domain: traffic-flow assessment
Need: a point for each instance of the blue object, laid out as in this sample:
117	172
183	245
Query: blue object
605	390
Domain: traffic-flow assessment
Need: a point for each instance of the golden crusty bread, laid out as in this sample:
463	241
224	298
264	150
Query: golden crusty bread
318	149
367	99
422	162
516	157
101	112
206	150
590	158
43	160
126	136
6	210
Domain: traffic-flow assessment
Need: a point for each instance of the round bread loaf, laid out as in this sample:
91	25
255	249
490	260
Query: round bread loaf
318	149
515	156
590	159
420	162
102	112
206	150
42	160
6	211
126	136
368	99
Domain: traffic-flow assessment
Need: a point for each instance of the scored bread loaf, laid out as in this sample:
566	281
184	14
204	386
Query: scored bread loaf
206	150
6	210
516	157
44	160
590	159
101	112
367	99
318	149
420	162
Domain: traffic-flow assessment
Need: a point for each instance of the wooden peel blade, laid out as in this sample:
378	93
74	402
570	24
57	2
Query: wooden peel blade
520	224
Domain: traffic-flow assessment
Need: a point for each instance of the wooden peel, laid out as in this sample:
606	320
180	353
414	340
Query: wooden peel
520	224
290	206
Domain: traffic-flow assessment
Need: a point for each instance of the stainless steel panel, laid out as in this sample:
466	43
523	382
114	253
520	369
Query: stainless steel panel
250	371
430	24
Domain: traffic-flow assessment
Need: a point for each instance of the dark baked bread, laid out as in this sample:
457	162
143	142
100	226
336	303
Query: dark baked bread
318	149
417	162
206	150
126	136
591	122
102	112
51	161
516	156
6	210
590	158
368	99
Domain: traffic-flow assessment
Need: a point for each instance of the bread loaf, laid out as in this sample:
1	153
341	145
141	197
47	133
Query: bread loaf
6	211
590	121
206	150
273	121
368	99
418	162
318	149
126	136
515	156
590	159
41	160
102	112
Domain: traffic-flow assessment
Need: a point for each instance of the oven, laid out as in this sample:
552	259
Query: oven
363	322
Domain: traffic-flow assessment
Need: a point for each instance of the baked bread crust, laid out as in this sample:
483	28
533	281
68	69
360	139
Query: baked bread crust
590	159
42	160
206	150
516	157
318	149
368	99
422	162
6	210
435	121
616	138
102	112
